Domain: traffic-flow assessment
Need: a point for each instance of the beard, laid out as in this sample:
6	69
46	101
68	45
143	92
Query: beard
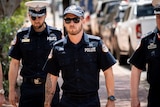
74	30
38	27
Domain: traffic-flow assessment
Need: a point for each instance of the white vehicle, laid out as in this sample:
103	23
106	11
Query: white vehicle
139	19
98	16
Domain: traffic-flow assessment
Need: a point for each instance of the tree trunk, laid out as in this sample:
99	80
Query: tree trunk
7	7
66	3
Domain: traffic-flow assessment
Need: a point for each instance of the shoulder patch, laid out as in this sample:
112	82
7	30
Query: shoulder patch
104	47
13	42
147	34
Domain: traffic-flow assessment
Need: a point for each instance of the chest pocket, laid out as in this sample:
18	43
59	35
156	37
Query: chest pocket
153	54
65	59
27	48
88	58
76	58
31	48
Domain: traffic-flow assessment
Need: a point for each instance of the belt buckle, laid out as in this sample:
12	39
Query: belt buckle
37	81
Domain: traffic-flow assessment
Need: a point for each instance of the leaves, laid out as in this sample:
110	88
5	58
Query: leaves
8	29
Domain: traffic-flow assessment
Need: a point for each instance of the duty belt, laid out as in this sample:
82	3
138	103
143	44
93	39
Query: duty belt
34	80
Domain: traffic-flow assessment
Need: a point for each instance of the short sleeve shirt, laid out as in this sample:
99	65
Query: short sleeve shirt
32	48
148	56
80	64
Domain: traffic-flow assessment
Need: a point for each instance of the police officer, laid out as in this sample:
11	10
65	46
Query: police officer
147	57
79	57
32	46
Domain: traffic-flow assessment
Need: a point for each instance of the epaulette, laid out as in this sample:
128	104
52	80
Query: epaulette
23	29
94	37
147	34
54	28
61	41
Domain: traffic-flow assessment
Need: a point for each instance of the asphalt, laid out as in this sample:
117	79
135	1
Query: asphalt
122	77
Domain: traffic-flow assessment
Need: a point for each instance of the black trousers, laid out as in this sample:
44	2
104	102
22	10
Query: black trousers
75	101
33	95
154	96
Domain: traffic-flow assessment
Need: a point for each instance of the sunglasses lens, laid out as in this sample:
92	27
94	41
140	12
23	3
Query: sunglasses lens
75	20
33	18
68	20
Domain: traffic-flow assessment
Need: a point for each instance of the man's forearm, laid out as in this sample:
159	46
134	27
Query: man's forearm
109	78
50	88
135	80
13	73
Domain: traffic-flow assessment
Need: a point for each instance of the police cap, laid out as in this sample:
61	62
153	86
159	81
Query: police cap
74	9
37	8
156	5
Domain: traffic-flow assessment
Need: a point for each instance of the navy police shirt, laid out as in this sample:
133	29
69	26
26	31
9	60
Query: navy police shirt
147	56
33	48
80	63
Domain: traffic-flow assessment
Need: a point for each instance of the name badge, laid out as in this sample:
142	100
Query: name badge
152	46
25	40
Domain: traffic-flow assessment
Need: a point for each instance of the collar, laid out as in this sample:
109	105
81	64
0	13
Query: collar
157	33
84	40
32	31
156	30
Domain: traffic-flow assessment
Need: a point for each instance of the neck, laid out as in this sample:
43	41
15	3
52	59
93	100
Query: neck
76	38
40	28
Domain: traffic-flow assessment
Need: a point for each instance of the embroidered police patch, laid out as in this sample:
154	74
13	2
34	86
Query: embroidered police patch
93	49
13	42
104	48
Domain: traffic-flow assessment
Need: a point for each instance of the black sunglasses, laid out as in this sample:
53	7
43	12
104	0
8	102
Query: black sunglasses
34	18
75	20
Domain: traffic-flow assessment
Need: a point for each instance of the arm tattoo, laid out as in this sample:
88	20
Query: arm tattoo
50	88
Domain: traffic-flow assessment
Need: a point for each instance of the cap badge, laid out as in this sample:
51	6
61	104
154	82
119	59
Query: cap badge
37	8
72	7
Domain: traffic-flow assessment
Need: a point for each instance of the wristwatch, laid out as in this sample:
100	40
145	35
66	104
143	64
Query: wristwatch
2	91
111	98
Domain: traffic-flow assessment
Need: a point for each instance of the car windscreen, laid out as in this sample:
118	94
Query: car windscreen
145	10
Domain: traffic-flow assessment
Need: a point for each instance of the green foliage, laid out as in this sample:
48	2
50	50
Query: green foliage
8	29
